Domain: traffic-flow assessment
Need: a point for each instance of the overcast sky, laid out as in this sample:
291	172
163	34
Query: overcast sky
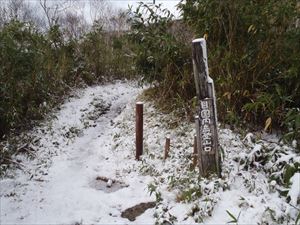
170	4
83	6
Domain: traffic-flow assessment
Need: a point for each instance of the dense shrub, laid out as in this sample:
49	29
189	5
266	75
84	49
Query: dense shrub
22	75
162	54
106	54
253	49
37	68
254	55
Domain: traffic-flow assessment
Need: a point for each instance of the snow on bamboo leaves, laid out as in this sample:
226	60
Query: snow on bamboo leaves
206	119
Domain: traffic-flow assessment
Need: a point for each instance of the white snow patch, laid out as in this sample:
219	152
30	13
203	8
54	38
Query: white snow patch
294	191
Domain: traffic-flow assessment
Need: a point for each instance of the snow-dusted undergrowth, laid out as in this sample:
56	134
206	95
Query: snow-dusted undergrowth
93	135
249	189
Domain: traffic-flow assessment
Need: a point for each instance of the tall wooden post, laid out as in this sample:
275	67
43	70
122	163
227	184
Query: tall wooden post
206	119
139	130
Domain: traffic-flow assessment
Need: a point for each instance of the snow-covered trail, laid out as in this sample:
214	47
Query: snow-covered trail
91	138
74	149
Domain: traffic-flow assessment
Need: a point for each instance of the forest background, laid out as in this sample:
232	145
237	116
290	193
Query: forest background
253	50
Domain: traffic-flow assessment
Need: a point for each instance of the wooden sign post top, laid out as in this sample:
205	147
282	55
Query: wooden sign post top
206	119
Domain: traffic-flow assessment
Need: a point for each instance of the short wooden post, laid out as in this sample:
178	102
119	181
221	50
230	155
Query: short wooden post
206	119
167	148
195	152
139	130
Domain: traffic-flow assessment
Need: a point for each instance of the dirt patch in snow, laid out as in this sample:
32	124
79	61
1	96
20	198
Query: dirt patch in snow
137	210
107	185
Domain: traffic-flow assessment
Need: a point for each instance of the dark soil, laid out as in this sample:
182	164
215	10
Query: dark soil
137	210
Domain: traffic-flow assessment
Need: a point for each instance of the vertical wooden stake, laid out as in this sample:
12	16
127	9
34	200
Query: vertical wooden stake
167	148
195	153
139	130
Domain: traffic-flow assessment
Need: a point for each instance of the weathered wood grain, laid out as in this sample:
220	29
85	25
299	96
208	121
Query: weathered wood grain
206	119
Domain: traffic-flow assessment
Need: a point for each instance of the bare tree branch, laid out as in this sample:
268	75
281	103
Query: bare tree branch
53	11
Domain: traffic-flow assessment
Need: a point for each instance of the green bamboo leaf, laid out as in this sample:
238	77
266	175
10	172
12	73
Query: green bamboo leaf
234	219
297	219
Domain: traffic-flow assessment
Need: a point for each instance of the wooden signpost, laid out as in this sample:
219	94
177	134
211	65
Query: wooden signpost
206	119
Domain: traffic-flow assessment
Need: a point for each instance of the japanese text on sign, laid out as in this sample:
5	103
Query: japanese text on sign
206	132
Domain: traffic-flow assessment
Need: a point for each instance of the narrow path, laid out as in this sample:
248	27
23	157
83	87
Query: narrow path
61	185
89	144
